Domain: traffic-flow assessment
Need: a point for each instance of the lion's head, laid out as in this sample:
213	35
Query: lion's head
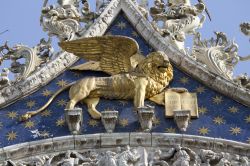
157	67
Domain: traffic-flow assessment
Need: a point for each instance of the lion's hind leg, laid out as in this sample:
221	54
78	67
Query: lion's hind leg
80	91
91	104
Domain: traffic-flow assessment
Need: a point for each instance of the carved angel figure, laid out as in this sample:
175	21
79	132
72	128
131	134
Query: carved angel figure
179	19
133	76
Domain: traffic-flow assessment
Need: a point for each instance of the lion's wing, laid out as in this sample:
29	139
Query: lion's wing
112	52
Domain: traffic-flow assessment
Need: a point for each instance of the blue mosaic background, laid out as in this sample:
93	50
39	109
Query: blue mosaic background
220	116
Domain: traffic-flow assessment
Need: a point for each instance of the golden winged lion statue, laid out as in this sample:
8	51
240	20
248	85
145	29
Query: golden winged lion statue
133	76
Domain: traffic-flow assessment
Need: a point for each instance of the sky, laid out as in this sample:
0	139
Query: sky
21	19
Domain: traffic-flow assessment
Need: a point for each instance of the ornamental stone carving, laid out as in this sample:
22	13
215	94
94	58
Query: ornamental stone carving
87	151
23	60
243	80
218	55
179	19
64	19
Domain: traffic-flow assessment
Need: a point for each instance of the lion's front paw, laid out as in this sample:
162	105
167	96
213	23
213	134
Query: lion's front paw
95	114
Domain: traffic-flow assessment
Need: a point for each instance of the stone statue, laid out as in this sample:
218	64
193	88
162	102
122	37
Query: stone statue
181	157
131	78
119	158
107	159
243	80
44	50
100	5
128	156
87	15
69	160
143	7
114	156
32	161
209	156
157	159
4	79
237	160
179	19
178	156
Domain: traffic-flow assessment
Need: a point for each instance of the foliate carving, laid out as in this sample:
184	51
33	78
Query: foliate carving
179	19
64	20
23	60
137	156
218	55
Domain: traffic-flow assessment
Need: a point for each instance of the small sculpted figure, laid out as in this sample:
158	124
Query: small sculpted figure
181	157
128	156
243	80
108	159
157	160
209	157
4	79
179	19
73	158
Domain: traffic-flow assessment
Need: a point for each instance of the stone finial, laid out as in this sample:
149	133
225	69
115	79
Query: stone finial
109	120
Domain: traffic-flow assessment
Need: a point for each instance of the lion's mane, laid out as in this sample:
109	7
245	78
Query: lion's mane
149	68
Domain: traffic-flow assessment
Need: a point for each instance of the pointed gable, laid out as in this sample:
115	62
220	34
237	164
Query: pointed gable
217	111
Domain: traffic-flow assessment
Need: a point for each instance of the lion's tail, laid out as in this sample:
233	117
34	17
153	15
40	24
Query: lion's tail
29	114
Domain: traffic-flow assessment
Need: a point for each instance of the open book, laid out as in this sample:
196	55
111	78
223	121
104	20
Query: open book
180	101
